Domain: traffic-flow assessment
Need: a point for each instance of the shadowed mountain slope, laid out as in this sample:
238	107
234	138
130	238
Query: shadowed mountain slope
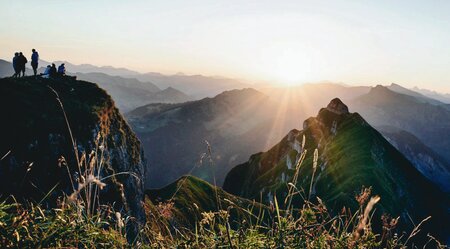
428	122
174	135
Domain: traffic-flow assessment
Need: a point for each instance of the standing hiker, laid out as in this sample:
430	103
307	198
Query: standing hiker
34	61
22	62
15	63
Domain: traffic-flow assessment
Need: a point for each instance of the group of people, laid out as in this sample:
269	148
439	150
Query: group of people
20	61
51	71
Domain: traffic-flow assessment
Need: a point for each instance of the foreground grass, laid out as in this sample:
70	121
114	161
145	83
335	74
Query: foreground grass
309	227
35	227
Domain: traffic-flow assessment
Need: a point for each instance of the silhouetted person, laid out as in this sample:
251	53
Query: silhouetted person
53	71
46	73
62	70
15	63
34	61
22	62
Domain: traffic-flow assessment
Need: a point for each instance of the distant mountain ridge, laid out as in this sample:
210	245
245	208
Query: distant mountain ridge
431	165
197	86
429	122
399	89
130	93
175	134
88	68
443	97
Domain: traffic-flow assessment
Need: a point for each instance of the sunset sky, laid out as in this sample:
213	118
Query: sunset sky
355	42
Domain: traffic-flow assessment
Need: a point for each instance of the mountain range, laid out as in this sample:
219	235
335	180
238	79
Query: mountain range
176	136
130	93
282	110
196	86
412	120
428	121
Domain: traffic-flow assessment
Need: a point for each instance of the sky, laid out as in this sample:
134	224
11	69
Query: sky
286	42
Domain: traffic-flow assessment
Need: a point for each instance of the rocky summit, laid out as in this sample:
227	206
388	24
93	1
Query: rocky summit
337	106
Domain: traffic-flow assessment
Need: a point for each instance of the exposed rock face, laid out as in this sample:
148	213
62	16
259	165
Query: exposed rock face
337	106
34	130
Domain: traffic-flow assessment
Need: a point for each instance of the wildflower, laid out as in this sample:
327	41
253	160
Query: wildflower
62	162
92	179
166	209
224	214
120	223
363	196
208	217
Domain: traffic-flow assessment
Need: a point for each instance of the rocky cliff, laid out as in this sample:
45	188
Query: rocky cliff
35	137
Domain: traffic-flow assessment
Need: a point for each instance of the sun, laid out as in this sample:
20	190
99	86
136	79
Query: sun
289	68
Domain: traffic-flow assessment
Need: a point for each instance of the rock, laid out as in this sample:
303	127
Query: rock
337	106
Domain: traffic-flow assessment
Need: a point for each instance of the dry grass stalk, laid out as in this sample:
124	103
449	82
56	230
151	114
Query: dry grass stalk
363	222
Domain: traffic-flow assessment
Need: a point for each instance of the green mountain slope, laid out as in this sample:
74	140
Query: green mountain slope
192	196
351	154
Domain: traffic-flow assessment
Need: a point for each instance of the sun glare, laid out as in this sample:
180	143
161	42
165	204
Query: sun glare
288	67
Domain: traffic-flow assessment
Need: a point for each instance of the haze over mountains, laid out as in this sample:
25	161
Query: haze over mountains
196	86
429	122
130	93
443	97
175	134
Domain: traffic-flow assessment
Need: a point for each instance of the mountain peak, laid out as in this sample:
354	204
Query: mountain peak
337	106
379	89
